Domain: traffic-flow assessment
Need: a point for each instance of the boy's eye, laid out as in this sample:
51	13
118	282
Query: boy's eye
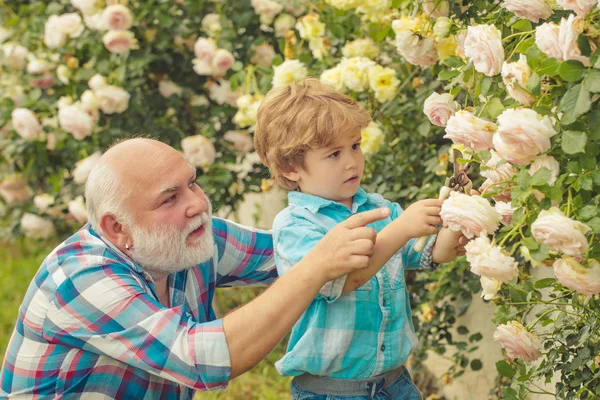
356	146
334	154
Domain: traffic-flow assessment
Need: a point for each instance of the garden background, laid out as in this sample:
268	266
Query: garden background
514	84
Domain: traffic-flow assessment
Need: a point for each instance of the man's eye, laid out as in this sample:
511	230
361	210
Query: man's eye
192	184
170	199
356	146
334	155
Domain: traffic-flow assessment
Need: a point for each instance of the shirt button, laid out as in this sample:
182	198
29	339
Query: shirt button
384	302
383	347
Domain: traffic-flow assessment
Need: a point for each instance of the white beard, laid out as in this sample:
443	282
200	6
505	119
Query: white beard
164	249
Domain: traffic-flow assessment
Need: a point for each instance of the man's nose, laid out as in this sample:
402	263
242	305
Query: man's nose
198	204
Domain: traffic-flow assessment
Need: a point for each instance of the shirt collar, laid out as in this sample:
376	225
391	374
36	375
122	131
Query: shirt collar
315	203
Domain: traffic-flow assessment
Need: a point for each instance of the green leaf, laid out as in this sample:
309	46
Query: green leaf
544	283
549	67
587	183
476	365
574	103
594	223
573	142
447	74
592	81
571	71
594	123
494	107
475	337
587	212
522	25
396	3
454	62
540	254
505	369
524	178
541	177
462	330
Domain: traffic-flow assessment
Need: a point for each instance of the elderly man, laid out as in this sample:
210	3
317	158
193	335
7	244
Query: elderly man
122	309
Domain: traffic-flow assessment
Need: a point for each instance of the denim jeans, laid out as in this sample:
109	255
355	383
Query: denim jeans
402	389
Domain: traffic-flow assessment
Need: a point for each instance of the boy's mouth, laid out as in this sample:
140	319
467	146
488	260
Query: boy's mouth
352	179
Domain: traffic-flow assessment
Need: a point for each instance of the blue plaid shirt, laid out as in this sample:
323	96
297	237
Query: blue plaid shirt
355	335
91	324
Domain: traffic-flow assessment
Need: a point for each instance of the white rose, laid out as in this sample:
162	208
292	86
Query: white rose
515	77
76	121
37	67
465	128
222	62
202	67
471	215
489	287
36	227
70	24
333	78
211	24
95	21
344	4
221	92
560	233
263	54
506	211
361	48
198	151
17	94
43	201
490	261
4	34
518	342
289	71
87	7
84	167
436	8
119	41
89	101
113	99
241	140
247	110
575	276
383	82
15	55
26	123
117	17
439	108
581	7
310	26
205	49
416	49
283	24
77	209
355	73
483	46
63	73
546	162
522	134
568	35
198	101
533	10
266	9
167	88
372	137
546	39
442	27
54	37
14	190
496	169
97	82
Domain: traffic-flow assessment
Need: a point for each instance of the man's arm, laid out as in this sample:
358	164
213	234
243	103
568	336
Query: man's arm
253	330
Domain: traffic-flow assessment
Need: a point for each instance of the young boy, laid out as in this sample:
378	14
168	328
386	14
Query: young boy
354	337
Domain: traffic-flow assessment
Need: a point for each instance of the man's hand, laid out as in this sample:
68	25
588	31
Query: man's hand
421	218
346	247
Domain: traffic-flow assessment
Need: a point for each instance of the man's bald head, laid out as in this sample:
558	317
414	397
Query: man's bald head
123	169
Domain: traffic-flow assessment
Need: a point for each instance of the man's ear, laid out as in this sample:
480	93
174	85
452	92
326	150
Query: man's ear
114	231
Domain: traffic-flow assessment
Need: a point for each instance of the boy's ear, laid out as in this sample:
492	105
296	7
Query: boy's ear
292	175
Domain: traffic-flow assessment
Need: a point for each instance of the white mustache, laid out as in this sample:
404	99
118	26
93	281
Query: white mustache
197	222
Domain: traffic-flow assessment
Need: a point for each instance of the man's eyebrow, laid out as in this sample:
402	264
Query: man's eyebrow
173	188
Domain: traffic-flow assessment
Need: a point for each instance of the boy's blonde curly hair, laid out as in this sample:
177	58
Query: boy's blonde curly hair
302	116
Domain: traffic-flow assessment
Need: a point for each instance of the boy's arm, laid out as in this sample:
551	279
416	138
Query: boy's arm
446	246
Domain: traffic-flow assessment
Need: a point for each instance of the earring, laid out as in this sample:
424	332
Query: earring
126	246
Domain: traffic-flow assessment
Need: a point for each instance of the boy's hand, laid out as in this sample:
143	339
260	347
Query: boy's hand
421	218
348	246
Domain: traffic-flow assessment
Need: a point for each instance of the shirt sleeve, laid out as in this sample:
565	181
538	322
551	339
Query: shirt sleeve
245	255
412	259
105	310
293	239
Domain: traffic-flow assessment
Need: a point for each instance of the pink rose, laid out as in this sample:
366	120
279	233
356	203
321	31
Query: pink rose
472	215
515	77
112	99
205	49
490	261
465	128
575	276
198	151
581	7
439	108
483	45
241	140
518	342
560	233
117	18
522	135
548	162
119	41
167	88
78	210
76	121
14	190
533	10
436	8
506	211
222	62
263	54
36	227
84	167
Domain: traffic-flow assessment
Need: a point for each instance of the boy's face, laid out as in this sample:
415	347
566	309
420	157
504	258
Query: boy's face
333	172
